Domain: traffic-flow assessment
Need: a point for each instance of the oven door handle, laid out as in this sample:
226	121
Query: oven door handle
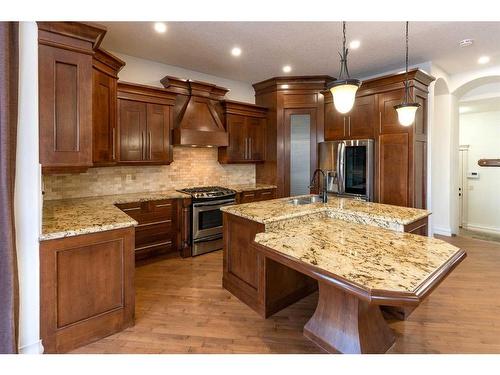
214	203
208	238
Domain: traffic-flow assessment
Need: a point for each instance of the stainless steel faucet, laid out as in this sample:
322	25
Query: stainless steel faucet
323	194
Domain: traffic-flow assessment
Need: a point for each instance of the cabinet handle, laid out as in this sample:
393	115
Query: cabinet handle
149	143
130	209
143	151
163	205
380	122
153	223
246	148
344	126
250	149
114	143
349	126
265	193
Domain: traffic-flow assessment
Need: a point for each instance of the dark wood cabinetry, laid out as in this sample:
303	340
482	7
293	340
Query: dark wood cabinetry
359	123
286	97
65	94
144	124
104	107
161	226
255	195
246	126
86	288
400	152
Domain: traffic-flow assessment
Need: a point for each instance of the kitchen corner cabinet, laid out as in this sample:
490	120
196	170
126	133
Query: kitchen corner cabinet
400	152
145	116
104	107
246	126
65	52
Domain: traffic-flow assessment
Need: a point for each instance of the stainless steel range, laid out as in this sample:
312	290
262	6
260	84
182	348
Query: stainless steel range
206	216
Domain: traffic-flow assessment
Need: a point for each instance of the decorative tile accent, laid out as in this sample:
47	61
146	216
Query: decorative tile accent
191	167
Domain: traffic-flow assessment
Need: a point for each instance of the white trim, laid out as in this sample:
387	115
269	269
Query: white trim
481	228
442	231
33	348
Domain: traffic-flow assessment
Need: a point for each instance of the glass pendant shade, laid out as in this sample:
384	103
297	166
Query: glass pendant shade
344	94
406	113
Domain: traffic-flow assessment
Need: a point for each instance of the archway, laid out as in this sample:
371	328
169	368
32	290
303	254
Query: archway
457	95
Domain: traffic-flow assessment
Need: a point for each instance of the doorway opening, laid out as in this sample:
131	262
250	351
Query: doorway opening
479	186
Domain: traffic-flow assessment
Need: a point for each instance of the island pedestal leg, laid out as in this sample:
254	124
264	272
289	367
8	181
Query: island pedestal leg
344	323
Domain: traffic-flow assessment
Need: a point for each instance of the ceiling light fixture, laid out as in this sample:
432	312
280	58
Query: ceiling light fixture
406	110
160	27
484	60
287	69
354	44
344	88
236	51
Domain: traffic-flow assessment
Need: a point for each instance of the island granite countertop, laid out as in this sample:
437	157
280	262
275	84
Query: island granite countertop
373	258
382	215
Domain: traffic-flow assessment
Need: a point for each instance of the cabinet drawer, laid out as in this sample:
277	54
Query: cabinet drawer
148	212
265	194
248	196
146	251
153	232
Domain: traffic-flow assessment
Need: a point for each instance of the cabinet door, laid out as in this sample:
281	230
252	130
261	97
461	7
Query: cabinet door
103	118
158	133
256	138
65	114
362	118
388	120
394	169
132	129
335	124
237	150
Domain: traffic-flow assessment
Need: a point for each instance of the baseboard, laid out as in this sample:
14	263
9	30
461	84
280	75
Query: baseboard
442	231
480	228
34	348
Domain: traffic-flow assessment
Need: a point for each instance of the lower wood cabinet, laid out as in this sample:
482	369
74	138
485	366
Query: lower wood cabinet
255	195
86	288
162	227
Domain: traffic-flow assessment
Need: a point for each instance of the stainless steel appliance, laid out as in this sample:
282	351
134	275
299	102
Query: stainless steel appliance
206	216
348	166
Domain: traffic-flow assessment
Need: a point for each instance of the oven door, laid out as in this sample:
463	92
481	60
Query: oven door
207	218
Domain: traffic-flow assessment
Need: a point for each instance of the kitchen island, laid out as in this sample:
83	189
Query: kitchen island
277	252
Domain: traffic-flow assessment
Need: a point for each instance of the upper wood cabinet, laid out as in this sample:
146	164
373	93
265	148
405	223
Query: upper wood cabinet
359	123
104	107
246	126
65	52
144	124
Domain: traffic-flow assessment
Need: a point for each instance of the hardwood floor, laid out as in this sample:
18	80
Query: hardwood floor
182	308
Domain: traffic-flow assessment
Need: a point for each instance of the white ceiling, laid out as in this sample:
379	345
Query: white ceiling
481	105
309	47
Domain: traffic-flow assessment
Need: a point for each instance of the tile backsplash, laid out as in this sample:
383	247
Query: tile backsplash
191	167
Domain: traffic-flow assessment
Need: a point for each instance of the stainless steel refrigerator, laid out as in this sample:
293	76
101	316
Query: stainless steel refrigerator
348	166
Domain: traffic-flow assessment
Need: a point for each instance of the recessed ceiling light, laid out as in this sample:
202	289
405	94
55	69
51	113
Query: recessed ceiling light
466	42
160	27
483	60
236	51
354	44
287	69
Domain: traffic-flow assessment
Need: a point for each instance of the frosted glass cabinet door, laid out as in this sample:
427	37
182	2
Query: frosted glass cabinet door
300	153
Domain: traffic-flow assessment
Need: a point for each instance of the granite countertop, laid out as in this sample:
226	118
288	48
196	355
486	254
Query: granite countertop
72	217
371	257
249	187
275	210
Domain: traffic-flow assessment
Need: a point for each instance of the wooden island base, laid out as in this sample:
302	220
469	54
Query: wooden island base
342	323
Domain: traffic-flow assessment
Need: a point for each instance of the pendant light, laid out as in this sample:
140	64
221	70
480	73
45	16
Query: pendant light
406	110
344	88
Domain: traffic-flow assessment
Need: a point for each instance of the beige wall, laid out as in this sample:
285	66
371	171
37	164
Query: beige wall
191	167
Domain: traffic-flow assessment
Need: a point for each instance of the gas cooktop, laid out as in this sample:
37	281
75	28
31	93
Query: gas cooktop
208	192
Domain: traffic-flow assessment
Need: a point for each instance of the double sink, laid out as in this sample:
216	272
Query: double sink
306	200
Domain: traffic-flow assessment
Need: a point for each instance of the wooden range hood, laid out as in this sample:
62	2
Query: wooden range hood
197	113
